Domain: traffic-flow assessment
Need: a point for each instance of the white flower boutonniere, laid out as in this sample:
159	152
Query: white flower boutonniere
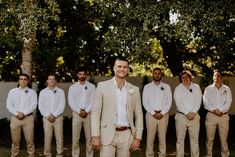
131	91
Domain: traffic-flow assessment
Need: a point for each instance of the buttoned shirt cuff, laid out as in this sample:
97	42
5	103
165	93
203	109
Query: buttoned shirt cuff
15	113
87	110
152	112
55	114
164	113
222	110
26	113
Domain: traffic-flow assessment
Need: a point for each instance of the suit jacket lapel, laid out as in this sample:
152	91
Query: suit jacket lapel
128	87
111	89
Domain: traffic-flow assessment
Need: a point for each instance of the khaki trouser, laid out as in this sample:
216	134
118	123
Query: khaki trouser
120	145
160	126
57	126
193	126
77	124
27	125
212	121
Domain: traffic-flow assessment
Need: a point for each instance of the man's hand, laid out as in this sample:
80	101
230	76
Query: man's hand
95	141
135	145
20	116
158	116
190	115
218	112
83	113
51	118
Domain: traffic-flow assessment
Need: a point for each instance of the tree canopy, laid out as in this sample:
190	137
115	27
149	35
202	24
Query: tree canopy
172	34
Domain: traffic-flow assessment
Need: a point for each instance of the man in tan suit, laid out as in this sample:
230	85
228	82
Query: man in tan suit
117	103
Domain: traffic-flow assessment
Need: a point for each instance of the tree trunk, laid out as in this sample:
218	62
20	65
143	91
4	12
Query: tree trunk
27	56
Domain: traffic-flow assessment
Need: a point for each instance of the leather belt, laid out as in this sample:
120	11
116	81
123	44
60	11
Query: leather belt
123	128
180	112
215	114
29	114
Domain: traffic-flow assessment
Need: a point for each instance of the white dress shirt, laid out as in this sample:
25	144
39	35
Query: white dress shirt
21	100
157	98
215	98
51	102
188	99
121	97
80	96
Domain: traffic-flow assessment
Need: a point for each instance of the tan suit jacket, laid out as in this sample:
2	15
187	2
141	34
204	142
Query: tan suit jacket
104	114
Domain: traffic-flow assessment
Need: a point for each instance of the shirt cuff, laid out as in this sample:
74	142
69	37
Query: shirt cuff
152	112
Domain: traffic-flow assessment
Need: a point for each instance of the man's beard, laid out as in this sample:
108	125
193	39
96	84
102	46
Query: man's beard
82	79
157	79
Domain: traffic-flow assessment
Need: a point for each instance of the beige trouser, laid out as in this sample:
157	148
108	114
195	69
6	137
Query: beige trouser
78	122
57	126
212	121
120	145
27	125
160	126
193	126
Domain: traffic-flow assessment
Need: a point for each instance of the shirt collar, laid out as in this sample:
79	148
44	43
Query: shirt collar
82	84
157	85
24	89
115	83
52	89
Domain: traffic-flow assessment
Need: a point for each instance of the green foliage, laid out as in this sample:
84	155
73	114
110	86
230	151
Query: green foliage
25	17
174	35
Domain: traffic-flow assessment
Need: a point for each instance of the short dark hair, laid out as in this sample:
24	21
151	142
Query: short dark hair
23	74
219	71
122	59
185	72
52	74
157	69
80	69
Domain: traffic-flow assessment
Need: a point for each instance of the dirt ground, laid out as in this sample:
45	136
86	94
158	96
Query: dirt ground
5	141
5	152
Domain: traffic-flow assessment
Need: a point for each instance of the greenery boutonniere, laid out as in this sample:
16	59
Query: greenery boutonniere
131	91
224	92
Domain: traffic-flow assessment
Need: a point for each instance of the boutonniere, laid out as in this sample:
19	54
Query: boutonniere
54	91
131	91
224	93
26	91
162	88
190	90
85	87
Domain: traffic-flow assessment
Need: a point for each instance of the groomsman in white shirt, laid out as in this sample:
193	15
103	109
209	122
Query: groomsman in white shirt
80	98
157	99
217	100
51	105
21	102
188	99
